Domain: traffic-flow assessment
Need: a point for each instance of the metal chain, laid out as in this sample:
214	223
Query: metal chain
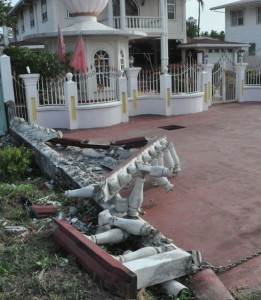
218	269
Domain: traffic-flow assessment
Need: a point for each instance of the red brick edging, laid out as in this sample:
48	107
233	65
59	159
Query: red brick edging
113	276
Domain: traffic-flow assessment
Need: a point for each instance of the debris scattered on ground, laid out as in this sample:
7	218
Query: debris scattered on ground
16	229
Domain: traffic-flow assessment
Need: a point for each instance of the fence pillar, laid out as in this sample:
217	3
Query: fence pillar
123	97
132	76
165	90
207	85
71	101
32	95
6	78
240	69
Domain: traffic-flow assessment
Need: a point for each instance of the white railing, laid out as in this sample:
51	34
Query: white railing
141	23
184	78
95	88
51	92
149	82
253	75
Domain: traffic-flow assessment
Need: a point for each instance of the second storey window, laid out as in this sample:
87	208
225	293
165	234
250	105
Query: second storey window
22	21
258	15
44	10
237	17
172	9
32	16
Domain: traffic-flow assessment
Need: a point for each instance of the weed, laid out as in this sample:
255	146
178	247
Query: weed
246	294
14	162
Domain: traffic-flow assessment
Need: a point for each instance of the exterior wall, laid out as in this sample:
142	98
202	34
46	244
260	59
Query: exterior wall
252	93
247	33
56	15
111	44
177	27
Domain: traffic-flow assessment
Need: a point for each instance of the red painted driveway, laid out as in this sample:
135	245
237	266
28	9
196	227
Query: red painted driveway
216	204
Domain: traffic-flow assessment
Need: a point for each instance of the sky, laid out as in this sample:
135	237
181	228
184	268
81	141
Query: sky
210	20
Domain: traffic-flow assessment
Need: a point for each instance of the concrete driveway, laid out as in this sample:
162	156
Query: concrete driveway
216	204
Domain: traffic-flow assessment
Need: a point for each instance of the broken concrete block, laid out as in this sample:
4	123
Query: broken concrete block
42	211
161	267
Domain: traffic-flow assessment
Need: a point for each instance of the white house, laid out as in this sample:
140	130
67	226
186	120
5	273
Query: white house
243	25
208	50
160	23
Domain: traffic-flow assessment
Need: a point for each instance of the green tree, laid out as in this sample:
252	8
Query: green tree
6	20
200	7
192	27
214	34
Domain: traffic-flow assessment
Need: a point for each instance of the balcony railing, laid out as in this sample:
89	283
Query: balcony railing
145	24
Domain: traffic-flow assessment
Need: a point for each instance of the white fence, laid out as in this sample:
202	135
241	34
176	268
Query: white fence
253	75
149	82
185	78
93	88
51	92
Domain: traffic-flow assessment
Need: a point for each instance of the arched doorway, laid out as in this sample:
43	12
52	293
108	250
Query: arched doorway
132	8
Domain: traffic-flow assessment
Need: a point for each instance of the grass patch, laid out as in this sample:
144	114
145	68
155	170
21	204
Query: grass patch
246	294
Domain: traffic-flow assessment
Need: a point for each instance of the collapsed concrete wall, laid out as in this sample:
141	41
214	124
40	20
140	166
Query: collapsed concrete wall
158	260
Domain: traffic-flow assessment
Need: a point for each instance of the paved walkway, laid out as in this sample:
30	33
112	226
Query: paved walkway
216	204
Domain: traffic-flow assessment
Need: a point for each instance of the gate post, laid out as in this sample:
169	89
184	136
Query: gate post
123	97
165	90
132	84
32	95
207	84
7	79
240	69
71	101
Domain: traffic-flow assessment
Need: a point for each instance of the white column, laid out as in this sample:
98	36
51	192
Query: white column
165	90
240	69
71	101
164	36
32	95
132	76
110	14
7	79
123	14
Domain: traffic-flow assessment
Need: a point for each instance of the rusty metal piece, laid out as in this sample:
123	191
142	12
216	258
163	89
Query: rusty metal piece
131	143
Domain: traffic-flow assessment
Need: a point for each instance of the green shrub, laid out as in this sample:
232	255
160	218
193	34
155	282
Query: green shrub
42	62
14	162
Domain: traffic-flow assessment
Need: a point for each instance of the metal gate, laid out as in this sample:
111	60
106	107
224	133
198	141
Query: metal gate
223	81
20	99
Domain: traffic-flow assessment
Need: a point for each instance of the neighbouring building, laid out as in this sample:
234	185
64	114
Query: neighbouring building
243	25
208	50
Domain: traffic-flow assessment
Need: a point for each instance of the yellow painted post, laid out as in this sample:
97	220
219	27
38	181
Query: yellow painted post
209	91
168	97
124	103
73	108
34	111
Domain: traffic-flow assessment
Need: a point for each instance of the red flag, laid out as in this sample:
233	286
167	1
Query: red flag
61	46
78	61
